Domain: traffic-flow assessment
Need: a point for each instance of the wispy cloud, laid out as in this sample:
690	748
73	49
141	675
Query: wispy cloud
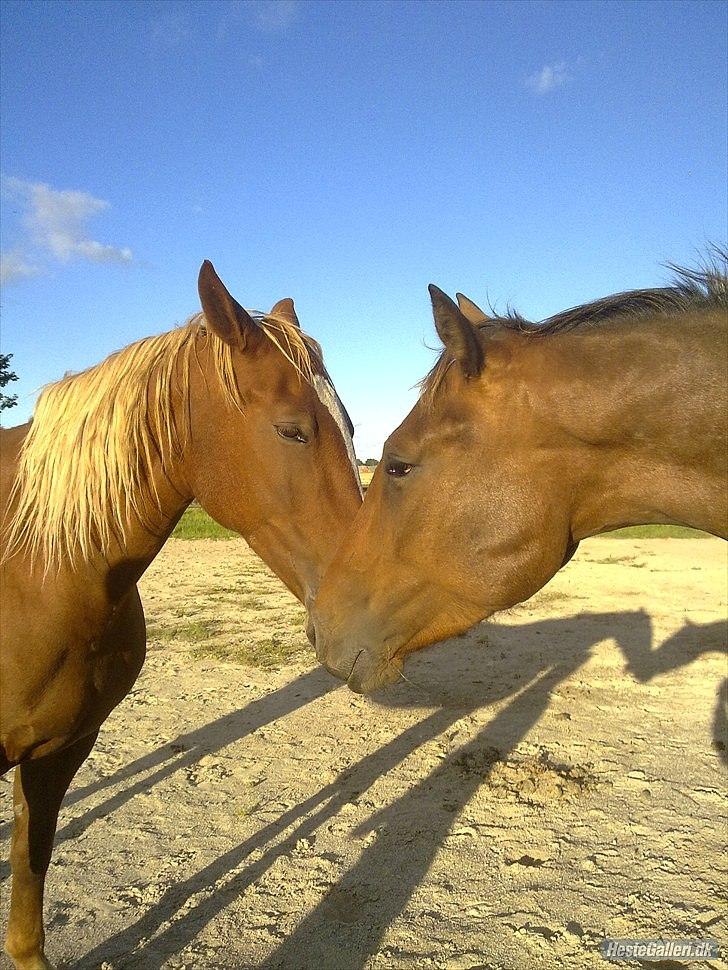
549	78
264	16
55	226
273	15
14	266
166	30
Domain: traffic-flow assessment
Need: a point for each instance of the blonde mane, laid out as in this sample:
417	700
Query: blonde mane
84	469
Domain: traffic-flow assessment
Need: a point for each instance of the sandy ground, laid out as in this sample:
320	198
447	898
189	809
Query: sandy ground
553	777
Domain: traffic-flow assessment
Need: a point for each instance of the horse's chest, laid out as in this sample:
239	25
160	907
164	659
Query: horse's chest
63	688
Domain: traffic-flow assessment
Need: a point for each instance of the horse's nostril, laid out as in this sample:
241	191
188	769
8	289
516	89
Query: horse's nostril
311	632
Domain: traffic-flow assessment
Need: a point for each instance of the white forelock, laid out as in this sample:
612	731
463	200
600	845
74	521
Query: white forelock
330	400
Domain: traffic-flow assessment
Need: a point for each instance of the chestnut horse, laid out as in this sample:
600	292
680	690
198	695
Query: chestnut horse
526	439
233	409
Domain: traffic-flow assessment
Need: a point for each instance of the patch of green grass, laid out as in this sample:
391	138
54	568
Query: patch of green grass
193	631
233	588
612	560
269	654
236	597
547	596
197	524
655	532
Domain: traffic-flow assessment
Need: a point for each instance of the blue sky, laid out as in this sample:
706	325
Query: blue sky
347	154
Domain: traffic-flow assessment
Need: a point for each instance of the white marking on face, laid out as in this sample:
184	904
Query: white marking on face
330	400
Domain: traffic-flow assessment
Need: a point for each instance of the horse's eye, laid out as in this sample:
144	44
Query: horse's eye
291	432
398	469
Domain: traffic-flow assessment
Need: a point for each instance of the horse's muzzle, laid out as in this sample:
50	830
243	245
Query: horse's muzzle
353	660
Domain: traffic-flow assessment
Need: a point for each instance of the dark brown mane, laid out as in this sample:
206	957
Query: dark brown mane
692	289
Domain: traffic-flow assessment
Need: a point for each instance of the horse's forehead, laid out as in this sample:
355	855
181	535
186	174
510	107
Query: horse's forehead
330	400
439	425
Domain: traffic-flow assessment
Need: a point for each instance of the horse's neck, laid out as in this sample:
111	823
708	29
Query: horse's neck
130	555
645	408
106	575
633	491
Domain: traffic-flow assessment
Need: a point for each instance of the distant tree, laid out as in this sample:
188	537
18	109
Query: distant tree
371	462
6	375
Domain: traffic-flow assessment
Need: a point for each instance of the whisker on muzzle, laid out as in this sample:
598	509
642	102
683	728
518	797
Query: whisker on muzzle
423	690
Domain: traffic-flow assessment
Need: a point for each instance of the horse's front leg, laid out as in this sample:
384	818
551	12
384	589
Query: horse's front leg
37	795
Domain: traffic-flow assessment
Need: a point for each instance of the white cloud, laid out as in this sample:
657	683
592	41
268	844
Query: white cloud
55	222
266	16
166	30
14	266
550	77
274	15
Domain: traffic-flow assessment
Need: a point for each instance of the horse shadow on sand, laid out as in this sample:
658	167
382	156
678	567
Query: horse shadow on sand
185	751
347	926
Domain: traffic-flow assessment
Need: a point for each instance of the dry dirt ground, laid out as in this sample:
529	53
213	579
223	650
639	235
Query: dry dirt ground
551	778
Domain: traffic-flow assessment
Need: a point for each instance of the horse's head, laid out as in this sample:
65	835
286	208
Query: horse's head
453	526
270	452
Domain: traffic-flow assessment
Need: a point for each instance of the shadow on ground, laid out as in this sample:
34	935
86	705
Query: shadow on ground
347	926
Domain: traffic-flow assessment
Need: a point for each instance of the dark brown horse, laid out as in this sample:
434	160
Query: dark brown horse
526	439
232	409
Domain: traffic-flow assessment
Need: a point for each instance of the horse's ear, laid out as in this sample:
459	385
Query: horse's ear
286	310
223	313
471	311
456	332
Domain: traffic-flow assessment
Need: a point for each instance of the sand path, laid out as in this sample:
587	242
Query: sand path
553	777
